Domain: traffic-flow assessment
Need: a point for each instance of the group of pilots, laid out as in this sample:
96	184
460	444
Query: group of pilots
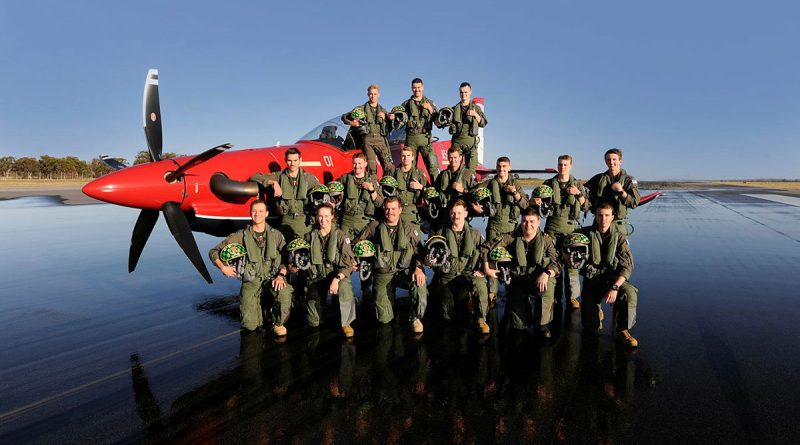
372	227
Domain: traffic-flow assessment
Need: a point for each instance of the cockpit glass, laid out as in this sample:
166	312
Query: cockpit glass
331	132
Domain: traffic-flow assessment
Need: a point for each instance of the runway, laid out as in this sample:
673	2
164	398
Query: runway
93	354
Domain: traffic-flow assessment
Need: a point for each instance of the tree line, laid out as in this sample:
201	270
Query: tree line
69	167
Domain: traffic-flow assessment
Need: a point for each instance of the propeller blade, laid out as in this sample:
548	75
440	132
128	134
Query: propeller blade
111	162
199	159
141	232
179	226
152	115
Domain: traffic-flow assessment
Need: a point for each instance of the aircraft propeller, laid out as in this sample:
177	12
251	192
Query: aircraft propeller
176	220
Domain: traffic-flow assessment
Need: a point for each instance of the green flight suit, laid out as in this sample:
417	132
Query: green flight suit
610	257
526	305
444	184
563	221
600	191
410	198
459	283
396	259
331	256
507	211
418	133
263	260
358	208
464	130
374	142
293	201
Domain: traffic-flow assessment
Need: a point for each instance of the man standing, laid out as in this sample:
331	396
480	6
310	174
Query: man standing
264	271
461	275
290	187
331	264
467	118
458	179
398	263
534	269
568	202
360	197
420	112
372	139
607	276
616	187
411	180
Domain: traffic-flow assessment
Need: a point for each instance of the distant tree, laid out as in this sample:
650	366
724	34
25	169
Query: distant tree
143	157
6	165
49	166
27	167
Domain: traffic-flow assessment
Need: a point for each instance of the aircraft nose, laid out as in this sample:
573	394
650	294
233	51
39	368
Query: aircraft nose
142	187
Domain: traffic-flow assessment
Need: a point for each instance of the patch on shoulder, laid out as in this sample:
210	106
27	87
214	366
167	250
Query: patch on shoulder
347	240
416	233
635	182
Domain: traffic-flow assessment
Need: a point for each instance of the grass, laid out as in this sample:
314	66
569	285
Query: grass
777	185
41	183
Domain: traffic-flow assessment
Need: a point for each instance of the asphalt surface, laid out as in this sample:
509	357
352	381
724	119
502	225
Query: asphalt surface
90	353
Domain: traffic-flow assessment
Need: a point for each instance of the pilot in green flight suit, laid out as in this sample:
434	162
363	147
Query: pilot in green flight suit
410	183
360	198
330	268
607	275
534	269
467	118
263	271
568	202
372	139
460	275
291	187
420	112
397	263
614	186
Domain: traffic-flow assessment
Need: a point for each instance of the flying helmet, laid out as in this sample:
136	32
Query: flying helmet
336	191
359	115
233	255
299	253
438	253
574	249
364	252
443	117
389	185
483	197
400	117
500	260
545	194
435	202
319	194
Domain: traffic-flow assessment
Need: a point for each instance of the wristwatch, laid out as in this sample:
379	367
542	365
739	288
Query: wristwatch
614	287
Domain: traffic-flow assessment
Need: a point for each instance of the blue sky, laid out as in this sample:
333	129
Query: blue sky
699	90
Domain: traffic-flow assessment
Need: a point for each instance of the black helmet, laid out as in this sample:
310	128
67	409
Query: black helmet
443	118
438	253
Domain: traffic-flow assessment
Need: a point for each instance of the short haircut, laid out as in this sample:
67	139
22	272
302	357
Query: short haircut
408	148
565	158
258	201
531	211
452	150
360	155
373	87
503	159
605	205
291	151
459	202
615	151
416	80
391	199
464	84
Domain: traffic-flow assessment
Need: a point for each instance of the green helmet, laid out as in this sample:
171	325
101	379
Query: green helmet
431	193
389	185
299	253
574	240
319	194
500	254
483	197
357	113
335	188
364	249
575	250
232	252
398	108
542	191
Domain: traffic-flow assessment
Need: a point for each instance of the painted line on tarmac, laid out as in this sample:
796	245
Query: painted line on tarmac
783	199
9	415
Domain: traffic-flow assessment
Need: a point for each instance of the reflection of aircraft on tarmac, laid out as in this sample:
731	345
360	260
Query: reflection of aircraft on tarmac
209	192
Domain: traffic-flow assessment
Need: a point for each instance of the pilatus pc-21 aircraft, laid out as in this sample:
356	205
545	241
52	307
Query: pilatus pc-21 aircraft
210	192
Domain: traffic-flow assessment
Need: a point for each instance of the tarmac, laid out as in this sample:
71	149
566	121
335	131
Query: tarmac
90	353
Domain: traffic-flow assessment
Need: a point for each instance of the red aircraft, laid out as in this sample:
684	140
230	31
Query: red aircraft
210	193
